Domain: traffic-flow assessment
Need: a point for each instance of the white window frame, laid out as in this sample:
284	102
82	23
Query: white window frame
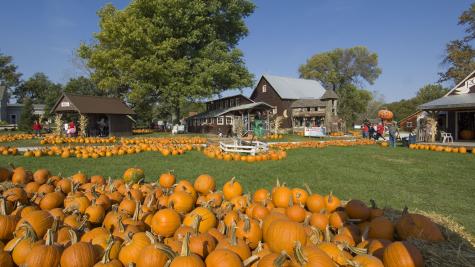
264	88
220	120
230	120
238	101
274	110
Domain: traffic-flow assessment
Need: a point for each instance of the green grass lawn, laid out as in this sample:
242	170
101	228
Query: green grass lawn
430	181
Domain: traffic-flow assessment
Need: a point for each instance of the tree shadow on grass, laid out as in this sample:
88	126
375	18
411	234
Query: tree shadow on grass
457	250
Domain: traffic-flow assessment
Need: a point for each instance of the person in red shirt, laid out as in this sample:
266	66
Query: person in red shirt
365	131
380	132
37	128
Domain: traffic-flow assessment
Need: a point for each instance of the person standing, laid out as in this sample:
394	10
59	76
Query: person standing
71	129
371	131
37	128
365	131
380	132
393	131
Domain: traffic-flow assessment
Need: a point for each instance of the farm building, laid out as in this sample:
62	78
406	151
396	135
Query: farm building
300	102
409	123
10	112
456	110
108	111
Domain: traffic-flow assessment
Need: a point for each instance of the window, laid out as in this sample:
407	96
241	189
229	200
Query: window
231	102
274	110
309	109
225	103
264	88
220	120
229	120
237	101
209	120
409	124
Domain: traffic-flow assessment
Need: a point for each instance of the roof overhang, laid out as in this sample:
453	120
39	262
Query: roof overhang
452	102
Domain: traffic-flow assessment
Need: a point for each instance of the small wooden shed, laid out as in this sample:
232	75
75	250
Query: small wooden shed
116	115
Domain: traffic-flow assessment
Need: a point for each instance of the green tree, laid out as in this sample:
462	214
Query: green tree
27	118
345	70
169	51
9	76
352	102
39	89
460	55
406	107
340	67
82	86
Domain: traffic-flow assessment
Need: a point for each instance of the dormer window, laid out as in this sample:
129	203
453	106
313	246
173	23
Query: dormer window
264	88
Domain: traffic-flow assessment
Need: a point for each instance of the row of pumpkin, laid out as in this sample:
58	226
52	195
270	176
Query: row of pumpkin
438	148
91	221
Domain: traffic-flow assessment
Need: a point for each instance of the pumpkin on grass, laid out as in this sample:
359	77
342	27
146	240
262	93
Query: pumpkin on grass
282	235
165	222
78	254
133	175
411	225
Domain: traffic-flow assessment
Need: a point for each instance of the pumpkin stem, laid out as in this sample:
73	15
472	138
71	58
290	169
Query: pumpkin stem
330	197
3	207
277	183
185	247
328	235
357	251
196	224
308	188
73	236
221	227
247	224
152	238
250	260
137	211
316	234
405	211
232	181
121	224
279	261
233	240
49	237
302	260
373	203
107	252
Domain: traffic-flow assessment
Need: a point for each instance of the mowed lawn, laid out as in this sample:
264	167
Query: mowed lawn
431	181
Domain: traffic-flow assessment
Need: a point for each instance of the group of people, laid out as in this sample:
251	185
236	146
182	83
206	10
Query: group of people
376	131
70	129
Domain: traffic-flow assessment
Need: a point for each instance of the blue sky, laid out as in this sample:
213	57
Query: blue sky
408	35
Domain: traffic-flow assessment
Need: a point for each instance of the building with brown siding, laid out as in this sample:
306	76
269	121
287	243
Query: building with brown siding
300	102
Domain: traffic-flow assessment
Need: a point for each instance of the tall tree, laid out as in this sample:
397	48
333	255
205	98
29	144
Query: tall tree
345	71
9	76
460	55
352	102
82	86
169	51
26	117
341	67
39	89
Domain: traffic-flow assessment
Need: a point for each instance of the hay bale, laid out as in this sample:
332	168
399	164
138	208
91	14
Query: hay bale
457	250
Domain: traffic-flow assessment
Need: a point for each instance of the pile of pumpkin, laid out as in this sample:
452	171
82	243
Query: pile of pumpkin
57	140
14	137
165	140
337	134
462	150
94	152
5	150
356	133
86	221
215	152
322	144
273	136
142	131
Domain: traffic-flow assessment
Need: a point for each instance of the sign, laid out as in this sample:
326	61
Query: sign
465	89
65	104
314	131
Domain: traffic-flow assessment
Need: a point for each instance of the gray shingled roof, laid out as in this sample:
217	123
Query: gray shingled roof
292	88
220	112
308	103
329	94
450	102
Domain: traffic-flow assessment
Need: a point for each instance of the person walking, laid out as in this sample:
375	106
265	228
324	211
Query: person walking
37	128
380	132
393	132
371	131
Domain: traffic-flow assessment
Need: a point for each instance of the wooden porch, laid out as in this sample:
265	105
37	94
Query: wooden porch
470	145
